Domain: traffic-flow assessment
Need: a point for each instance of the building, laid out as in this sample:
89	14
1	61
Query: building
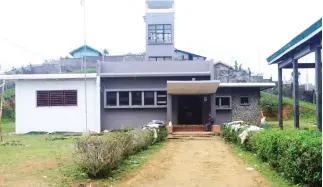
307	42
131	93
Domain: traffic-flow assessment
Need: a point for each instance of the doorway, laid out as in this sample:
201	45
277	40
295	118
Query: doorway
189	110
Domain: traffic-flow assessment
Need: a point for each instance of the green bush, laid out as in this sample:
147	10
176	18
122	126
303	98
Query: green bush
9	113
296	154
98	156
162	133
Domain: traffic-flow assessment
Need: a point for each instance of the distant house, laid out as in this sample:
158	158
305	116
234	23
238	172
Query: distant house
85	49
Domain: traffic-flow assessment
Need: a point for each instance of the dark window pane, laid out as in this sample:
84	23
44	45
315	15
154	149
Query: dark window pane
149	98
42	98
136	98
123	98
161	98
217	102
225	102
111	98
70	97
56	98
152	59
244	100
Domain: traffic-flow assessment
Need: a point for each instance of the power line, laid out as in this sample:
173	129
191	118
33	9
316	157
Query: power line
23	48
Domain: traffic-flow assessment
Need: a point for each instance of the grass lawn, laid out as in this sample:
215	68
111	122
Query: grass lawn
35	160
264	168
7	126
290	124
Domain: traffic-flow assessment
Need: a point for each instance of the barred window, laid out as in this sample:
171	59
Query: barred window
56	98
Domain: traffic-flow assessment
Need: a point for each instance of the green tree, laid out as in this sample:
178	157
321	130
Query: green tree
236	68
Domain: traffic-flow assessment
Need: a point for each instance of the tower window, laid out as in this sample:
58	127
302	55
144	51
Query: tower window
159	33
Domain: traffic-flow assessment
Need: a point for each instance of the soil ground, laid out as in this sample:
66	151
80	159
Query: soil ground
197	162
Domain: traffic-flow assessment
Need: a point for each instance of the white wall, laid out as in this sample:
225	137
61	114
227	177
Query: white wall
29	117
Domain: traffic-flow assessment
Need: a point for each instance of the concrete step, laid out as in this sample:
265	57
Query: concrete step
176	135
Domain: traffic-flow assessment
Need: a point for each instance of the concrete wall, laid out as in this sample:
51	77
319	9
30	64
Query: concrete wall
118	118
169	67
223	115
160	49
122	118
55	118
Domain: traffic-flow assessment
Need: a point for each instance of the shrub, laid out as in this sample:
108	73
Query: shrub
162	133
98	156
296	154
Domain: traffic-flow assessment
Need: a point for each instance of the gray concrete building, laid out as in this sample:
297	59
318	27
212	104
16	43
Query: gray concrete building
166	87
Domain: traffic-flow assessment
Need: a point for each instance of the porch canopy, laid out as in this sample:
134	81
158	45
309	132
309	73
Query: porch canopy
192	87
309	41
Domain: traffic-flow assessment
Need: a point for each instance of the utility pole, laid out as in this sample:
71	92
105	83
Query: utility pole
1	105
84	60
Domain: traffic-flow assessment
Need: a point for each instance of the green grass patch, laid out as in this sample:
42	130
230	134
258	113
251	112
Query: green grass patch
41	159
71	174
7	126
269	102
303	124
263	168
286	100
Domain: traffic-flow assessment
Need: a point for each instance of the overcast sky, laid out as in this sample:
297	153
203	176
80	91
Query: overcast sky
247	31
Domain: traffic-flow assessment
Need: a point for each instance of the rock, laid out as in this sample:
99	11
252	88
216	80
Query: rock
250	169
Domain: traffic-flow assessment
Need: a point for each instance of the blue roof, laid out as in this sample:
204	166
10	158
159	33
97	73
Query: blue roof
82	48
188	53
298	38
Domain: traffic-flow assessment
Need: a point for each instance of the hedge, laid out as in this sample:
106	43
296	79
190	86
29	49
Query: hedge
97	156
296	154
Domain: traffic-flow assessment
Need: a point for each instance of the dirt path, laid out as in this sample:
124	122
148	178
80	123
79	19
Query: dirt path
205	163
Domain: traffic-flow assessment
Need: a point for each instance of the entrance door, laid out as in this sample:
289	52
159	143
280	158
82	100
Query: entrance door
189	109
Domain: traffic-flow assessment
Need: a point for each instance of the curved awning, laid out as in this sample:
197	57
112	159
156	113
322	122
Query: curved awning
192	87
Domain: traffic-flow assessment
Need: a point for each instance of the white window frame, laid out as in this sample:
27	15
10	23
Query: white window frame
220	105
130	98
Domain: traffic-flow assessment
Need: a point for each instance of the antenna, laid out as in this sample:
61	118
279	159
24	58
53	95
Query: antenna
84	61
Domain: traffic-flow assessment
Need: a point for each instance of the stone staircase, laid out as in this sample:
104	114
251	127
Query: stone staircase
191	135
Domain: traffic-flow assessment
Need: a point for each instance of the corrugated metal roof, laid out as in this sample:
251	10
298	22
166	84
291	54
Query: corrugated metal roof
310	30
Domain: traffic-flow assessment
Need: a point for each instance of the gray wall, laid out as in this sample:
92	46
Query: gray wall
222	115
178	67
142	82
160	49
118	118
122	118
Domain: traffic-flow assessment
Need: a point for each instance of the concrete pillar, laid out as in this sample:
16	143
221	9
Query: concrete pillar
280	97
212	102
169	108
318	86
295	94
